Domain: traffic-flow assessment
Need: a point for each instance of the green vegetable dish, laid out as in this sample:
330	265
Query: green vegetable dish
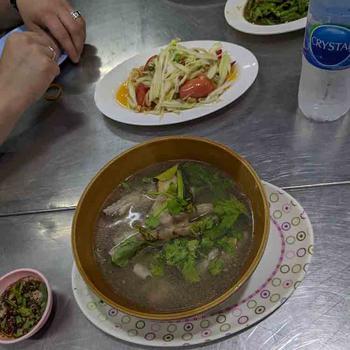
269	12
174	235
22	306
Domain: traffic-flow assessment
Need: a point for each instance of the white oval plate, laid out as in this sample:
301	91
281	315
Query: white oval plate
235	18
281	270
107	87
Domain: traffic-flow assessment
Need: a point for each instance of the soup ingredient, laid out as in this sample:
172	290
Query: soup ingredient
200	179
123	252
269	12
123	206
141	271
216	266
181	232
168	174
22	306
178	78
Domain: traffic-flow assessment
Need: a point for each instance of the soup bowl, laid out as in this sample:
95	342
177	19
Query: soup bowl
136	159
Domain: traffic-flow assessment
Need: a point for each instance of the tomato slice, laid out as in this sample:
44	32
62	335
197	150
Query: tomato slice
198	87
141	91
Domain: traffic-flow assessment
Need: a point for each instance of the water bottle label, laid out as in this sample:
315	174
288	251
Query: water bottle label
328	46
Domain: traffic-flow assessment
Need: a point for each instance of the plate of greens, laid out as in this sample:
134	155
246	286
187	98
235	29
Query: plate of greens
266	17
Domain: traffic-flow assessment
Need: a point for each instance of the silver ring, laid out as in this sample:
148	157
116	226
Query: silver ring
53	53
75	14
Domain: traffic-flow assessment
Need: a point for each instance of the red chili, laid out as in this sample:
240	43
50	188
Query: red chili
149	62
219	54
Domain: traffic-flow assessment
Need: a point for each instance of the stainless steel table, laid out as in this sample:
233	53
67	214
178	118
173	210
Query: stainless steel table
57	148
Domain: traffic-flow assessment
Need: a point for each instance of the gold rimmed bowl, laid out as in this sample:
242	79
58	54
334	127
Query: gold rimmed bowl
138	158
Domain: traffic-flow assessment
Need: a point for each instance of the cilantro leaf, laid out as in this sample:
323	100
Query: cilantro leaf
175	252
176	206
230	206
228	245
205	180
228	212
182	254
216	266
157	266
206	245
152	222
205	224
126	250
238	235
189	271
192	246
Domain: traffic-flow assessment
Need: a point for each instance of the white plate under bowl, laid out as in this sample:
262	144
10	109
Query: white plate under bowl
107	87
234	16
282	268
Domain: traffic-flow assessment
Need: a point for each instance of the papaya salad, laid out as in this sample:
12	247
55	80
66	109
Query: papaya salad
178	78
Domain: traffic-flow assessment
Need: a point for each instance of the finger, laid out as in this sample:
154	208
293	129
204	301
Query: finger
50	52
60	33
43	38
45	58
51	67
48	57
75	27
81	19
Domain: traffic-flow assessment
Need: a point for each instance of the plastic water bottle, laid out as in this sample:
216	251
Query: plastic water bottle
324	90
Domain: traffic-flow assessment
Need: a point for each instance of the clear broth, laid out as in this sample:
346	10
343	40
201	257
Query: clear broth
170	293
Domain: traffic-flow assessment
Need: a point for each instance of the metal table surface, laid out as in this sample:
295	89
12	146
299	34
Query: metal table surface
57	148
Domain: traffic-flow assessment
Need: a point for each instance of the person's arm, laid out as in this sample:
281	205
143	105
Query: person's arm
9	17
27	68
58	18
9	113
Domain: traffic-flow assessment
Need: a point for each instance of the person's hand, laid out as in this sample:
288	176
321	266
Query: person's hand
56	17
27	68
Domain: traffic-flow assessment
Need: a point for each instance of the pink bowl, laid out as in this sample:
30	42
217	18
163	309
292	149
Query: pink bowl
13	277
